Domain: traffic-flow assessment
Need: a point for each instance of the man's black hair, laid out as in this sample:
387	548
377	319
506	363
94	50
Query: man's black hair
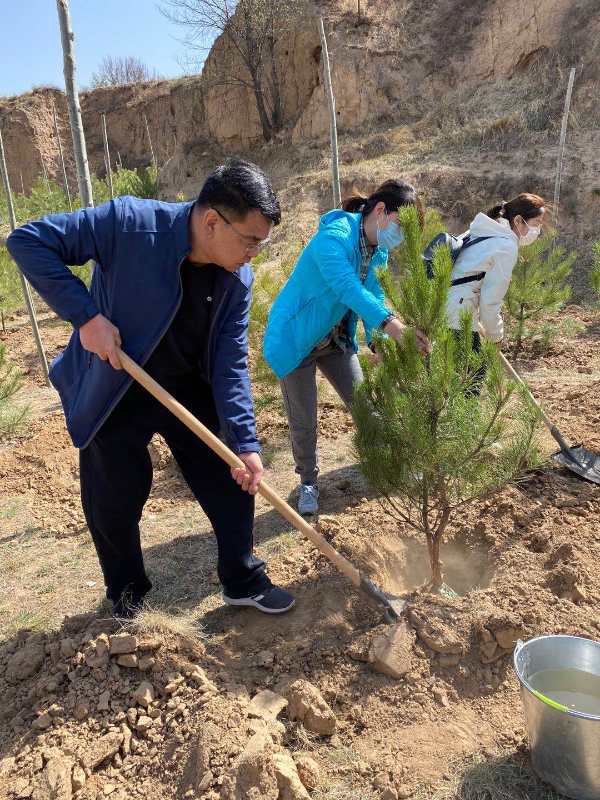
240	186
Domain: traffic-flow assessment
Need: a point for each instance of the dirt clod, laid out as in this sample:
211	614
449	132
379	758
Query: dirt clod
288	780
101	750
266	704
392	651
308	771
307	705
123	643
144	694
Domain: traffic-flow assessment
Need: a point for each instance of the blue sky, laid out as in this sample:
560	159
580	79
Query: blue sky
31	54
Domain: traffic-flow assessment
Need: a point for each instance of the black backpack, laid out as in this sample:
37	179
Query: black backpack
456	247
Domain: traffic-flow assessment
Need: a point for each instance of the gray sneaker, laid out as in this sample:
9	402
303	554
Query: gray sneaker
308	499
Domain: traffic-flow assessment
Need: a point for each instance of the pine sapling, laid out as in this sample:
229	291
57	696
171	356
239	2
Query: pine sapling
11	417
538	287
268	282
428	443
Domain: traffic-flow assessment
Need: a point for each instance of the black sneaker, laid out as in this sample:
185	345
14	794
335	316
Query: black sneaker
272	601
127	606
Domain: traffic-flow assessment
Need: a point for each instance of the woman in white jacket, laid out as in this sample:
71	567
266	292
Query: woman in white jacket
483	269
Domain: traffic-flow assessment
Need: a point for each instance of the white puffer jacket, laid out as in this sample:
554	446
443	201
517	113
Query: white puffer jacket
496	257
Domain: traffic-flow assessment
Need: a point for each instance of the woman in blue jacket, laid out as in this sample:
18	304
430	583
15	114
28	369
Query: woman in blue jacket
313	321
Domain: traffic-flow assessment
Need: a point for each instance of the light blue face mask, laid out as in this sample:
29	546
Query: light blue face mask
390	237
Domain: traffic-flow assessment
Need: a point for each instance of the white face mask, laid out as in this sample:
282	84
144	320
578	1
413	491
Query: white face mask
530	236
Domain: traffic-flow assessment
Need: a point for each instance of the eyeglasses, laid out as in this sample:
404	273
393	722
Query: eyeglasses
251	242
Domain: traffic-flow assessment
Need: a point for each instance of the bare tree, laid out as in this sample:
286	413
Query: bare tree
79	148
253	29
121	70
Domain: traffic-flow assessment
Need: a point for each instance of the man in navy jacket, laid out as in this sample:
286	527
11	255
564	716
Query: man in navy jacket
172	286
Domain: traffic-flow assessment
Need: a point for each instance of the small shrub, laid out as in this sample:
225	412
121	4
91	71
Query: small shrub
45	197
538	286
425	441
142	182
11	294
11	417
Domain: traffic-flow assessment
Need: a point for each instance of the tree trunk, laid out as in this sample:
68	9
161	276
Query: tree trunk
24	285
277	115
561	146
107	158
62	157
150	143
335	168
79	148
262	110
45	174
433	547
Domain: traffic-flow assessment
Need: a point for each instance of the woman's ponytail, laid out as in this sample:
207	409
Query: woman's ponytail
525	205
355	203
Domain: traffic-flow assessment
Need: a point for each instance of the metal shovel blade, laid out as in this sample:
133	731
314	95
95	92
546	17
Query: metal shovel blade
581	461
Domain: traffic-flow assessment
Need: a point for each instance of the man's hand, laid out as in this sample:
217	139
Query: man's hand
397	330
249	476
100	336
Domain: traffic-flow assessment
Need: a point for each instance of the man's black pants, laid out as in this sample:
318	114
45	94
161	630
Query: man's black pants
116	477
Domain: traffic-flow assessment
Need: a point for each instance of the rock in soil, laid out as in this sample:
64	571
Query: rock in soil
77	778
308	771
128	660
307	705
56	779
266	704
251	778
101	750
144	694
392	652
43	722
26	661
123	643
288	780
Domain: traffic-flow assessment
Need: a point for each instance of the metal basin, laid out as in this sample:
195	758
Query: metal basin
564	744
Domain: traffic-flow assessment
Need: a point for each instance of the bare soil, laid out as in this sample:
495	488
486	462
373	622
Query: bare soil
523	564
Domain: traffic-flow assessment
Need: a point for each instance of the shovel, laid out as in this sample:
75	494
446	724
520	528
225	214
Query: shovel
392	606
577	458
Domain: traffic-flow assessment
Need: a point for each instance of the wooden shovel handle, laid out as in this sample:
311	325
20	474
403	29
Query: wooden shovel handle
221	449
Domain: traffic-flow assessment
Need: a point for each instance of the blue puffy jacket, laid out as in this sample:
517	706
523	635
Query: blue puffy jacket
325	283
138	246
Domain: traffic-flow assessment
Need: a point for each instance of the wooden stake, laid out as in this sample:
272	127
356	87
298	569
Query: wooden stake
150	141
107	158
561	144
45	174
335	169
24	285
69	68
62	158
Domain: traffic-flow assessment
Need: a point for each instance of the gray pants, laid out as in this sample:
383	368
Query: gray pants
299	388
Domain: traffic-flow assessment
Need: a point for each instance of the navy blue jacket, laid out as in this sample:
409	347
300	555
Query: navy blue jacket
138	247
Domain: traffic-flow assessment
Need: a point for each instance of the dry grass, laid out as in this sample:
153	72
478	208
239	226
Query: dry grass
162	625
342	791
504	777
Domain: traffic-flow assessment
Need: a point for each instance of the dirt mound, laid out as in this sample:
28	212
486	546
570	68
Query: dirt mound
94	708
